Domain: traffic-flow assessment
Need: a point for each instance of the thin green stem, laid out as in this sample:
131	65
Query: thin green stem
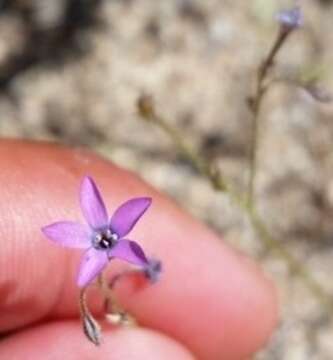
220	184
113	311
91	328
295	266
110	303
255	106
147	111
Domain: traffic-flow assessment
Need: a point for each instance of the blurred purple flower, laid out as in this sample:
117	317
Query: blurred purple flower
152	270
290	19
318	93
103	238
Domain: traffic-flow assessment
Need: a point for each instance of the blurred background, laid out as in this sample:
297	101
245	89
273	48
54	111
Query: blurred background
72	70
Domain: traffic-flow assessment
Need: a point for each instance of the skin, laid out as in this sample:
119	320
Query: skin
211	303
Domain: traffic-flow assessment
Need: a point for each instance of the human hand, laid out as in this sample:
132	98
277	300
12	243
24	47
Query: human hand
210	304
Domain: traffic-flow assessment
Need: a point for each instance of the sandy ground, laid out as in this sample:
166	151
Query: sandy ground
198	59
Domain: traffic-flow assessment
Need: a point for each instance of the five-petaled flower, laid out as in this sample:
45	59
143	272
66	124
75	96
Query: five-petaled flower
103	238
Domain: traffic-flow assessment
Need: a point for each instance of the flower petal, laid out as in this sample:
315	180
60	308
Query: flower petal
68	233
129	251
127	215
92	264
92	204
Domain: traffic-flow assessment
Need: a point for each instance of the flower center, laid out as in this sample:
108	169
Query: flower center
104	240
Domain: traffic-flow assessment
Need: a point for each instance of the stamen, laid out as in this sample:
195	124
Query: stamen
114	236
104	240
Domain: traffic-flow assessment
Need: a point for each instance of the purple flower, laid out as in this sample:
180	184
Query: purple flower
103	238
290	19
152	270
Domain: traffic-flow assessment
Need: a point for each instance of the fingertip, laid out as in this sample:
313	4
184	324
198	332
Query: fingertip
209	297
215	300
259	315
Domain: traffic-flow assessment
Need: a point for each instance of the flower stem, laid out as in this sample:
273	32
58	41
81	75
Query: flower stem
90	326
113	311
147	111
220	184
255	106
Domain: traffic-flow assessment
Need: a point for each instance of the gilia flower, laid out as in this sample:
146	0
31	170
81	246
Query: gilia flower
103	238
290	19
